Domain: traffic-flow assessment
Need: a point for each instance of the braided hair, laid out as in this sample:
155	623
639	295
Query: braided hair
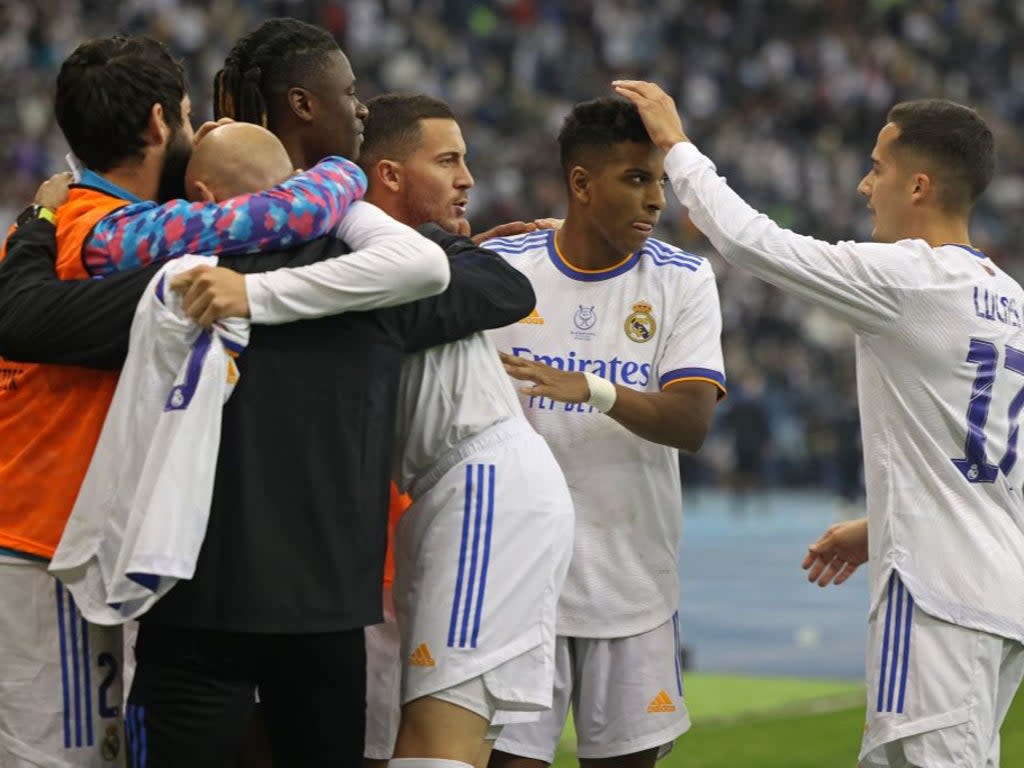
273	57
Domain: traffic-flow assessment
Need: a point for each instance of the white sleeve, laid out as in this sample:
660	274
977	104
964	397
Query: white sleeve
693	350
390	264
860	282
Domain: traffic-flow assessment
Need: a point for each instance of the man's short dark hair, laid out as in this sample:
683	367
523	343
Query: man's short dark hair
278	54
955	139
392	128
105	92
598	124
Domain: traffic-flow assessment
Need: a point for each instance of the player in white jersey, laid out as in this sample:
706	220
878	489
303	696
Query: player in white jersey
482	552
628	325
940	356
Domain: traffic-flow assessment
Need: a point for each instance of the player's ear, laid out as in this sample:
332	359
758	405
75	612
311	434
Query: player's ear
579	183
156	131
201	192
389	174
300	102
921	187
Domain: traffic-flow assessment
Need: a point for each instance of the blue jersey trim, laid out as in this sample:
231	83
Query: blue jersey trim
969	249
86	664
466	510
589	275
94	180
662	254
487	556
680	374
517	245
64	664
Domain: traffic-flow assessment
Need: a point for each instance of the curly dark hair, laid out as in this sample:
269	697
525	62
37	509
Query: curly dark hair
106	90
597	124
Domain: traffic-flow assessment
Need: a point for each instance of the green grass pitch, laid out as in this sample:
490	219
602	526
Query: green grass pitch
780	723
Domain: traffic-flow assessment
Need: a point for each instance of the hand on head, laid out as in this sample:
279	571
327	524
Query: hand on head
208	126
657	109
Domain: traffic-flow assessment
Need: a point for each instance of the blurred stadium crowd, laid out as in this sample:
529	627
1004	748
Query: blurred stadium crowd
785	95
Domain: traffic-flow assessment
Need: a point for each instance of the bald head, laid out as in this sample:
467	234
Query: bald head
236	159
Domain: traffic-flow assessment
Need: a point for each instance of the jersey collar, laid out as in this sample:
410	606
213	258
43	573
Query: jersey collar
969	249
588	275
95	181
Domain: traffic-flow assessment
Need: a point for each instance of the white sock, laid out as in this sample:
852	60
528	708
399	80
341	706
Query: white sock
425	762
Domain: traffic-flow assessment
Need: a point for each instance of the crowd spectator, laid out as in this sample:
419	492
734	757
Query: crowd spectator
785	95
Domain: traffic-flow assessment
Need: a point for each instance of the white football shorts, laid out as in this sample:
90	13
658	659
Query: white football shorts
60	676
626	695
480	558
937	692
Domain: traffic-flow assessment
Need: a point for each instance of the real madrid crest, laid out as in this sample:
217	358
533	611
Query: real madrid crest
640	325
111	746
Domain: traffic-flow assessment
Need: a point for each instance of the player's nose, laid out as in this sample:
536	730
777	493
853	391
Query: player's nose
464	179
656	198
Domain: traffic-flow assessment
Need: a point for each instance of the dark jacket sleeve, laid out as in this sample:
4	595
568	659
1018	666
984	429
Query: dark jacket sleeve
44	319
484	292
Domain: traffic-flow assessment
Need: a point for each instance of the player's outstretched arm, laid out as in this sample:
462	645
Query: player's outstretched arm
47	320
485	292
835	557
514	228
305	207
391	264
860	282
44	319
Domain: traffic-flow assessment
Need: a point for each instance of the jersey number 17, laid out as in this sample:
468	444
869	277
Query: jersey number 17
975	466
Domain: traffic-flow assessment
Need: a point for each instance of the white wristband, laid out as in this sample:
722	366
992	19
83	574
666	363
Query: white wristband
602	392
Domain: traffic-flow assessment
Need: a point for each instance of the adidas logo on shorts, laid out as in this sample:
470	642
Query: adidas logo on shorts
421	657
661	703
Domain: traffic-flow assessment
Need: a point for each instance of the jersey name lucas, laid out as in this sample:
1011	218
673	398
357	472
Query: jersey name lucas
989	305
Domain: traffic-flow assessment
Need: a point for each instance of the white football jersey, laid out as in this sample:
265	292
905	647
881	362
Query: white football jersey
448	394
940	375
647	323
140	517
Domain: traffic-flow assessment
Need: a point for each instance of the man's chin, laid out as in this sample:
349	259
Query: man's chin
455	225
880	236
634	243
